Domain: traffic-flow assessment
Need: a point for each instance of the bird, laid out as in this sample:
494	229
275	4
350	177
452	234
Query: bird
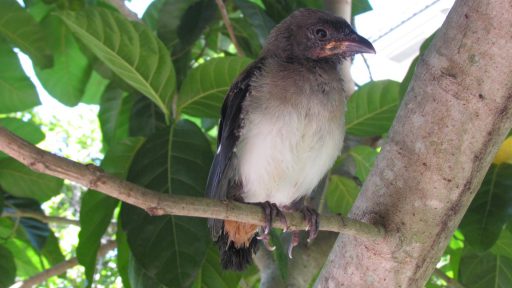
281	128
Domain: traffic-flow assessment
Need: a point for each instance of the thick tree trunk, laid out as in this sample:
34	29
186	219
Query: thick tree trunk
456	112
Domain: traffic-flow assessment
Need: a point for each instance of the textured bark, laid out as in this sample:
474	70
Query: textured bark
455	114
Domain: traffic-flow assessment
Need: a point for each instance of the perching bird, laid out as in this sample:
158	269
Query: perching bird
282	126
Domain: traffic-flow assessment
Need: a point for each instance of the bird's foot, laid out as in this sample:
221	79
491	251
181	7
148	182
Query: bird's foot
271	211
295	239
311	217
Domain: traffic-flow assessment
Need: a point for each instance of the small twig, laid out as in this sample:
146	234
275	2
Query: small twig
61	268
156	203
229	26
19	213
452	283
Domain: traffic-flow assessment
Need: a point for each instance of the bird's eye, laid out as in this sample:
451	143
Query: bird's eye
321	33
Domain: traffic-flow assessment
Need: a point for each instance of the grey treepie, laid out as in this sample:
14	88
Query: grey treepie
281	127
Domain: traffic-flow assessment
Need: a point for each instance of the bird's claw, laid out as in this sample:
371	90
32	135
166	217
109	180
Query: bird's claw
293	242
271	211
311	217
265	238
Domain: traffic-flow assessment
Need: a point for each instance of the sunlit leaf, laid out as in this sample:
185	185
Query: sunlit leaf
372	108
129	49
17	93
203	91
31	39
66	80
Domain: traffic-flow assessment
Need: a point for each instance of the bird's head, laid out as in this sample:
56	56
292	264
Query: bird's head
315	35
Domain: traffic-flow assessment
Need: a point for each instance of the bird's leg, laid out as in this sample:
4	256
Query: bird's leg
311	217
271	210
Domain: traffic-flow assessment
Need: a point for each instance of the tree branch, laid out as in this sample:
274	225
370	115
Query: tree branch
156	203
18	213
229	27
61	268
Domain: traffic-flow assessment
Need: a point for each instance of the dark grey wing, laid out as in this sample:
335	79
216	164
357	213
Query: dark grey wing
220	180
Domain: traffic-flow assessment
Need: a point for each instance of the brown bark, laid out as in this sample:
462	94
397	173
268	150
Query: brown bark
455	114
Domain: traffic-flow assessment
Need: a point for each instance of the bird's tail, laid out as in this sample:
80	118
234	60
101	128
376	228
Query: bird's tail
237	243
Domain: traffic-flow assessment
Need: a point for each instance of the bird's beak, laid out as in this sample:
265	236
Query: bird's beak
354	45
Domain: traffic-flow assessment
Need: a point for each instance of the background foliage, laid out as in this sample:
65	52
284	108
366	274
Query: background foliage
159	84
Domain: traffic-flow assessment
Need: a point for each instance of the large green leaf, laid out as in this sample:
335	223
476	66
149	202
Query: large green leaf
341	194
260	21
485	270
203	91
213	276
7	267
97	208
280	9
26	130
246	36
67	79
28	261
363	156
140	279
490	209
372	108
504	244
114	115
129	49
17	93
123	255
94	89
18	180
145	117
51	250
170	248
31	39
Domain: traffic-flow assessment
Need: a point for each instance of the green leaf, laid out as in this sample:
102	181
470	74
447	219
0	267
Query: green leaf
114	115
26	130
246	36
372	108
360	7
94	89
96	208
152	14
280	9
20	181
168	24
51	250
503	246
31	39
213	276
139	278
17	93
280	254
28	261
260	21
145	117
364	157
67	79
129	49
123	255
490	209
203	91
7	267
341	194
170	248
34	231
485	270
